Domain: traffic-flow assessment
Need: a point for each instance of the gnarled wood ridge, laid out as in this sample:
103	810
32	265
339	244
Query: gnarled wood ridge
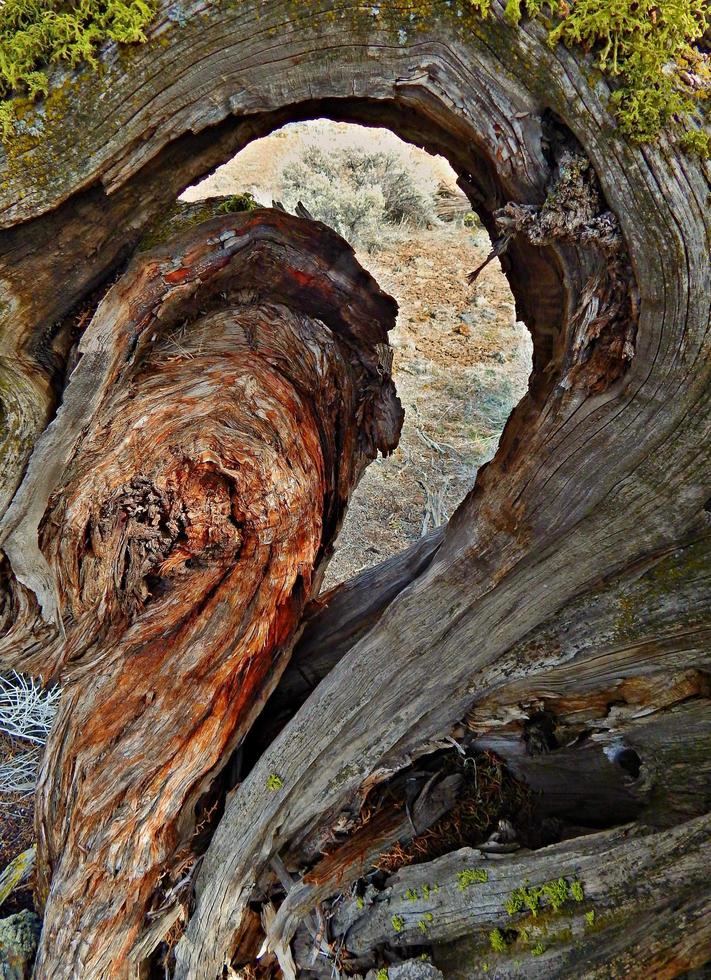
183	423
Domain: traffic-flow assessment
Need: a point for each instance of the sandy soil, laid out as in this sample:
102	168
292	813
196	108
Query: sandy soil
461	363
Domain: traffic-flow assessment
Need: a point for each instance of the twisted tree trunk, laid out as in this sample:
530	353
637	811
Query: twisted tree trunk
230	389
165	534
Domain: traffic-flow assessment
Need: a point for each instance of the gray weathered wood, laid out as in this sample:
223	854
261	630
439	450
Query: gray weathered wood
622	873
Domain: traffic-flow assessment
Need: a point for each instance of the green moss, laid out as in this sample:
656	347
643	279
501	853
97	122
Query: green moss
555	893
274	782
187	214
411	895
590	917
523	898
472	876
515	9
646	46
696	142
497	941
538	950
238	202
36	34
648	49
360	902
577	892
398	923
382	974
426	920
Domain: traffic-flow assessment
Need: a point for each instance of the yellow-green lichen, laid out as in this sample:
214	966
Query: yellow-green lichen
274	782
472	876
36	34
554	893
696	142
648	48
398	923
425	922
238	202
428	890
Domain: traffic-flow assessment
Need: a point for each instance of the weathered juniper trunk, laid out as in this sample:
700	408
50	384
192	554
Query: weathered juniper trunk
166	526
230	389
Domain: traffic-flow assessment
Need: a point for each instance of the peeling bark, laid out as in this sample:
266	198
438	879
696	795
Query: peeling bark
184	529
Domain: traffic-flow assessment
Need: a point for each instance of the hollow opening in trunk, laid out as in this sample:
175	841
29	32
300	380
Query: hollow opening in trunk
461	361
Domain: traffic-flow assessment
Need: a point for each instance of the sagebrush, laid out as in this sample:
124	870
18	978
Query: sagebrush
357	193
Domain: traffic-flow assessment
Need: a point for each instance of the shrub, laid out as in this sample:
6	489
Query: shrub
18	773
357	193
26	709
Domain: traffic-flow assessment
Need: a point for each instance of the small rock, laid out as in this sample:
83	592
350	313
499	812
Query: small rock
19	936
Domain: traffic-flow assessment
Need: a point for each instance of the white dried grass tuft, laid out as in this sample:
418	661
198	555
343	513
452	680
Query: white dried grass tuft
26	709
18	774
26	714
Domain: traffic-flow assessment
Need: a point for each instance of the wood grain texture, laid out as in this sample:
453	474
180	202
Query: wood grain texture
207	445
646	893
529	601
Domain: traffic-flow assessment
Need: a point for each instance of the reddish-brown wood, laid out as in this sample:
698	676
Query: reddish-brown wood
240	391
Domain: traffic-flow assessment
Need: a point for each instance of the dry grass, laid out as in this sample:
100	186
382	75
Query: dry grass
461	363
